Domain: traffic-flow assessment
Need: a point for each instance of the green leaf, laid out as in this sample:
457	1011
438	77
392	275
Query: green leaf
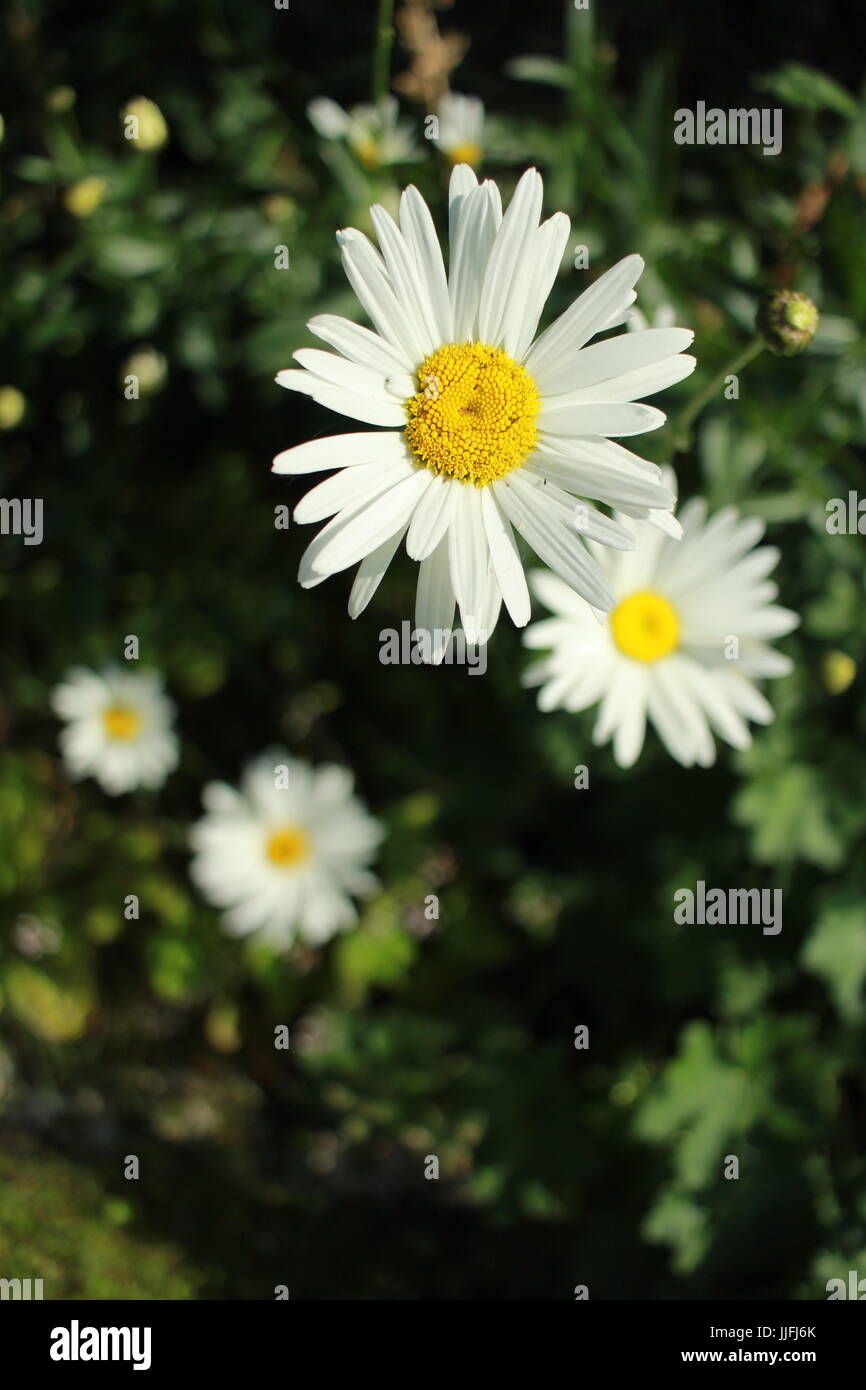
836	950
366	958
133	256
810	90
787	811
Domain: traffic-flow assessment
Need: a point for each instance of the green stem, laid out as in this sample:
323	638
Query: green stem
382	54
683	424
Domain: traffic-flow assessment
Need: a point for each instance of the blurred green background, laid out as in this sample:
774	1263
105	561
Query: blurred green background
155	1037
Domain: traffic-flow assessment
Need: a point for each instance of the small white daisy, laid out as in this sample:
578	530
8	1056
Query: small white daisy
686	640
118	727
491	427
284	853
461	128
375	134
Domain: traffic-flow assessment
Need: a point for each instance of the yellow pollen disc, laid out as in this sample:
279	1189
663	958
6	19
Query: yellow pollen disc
288	847
367	151
121	721
645	627
466	153
473	416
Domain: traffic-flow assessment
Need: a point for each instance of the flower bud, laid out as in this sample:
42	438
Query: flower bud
787	321
838	670
84	197
144	124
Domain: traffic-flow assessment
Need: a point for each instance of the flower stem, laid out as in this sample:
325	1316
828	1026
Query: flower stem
688	415
382	54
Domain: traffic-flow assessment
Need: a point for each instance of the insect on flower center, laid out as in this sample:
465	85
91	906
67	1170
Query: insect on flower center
473	416
645	627
288	846
121	722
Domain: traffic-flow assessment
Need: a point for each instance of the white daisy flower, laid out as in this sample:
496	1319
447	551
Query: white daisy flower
461	128
118	727
490	427
375	134
284	853
686	640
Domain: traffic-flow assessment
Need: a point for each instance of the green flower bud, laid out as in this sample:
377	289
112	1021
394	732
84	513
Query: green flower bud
787	321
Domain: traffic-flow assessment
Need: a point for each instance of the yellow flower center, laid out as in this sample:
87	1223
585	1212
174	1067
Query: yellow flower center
473	416
465	153
645	627
121	722
366	150
288	847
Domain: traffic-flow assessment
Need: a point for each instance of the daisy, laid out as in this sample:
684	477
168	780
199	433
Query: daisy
284	853
686	640
490	429
461	128
375	134
118	727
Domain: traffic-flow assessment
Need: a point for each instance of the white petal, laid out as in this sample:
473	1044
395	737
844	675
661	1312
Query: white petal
356	532
545	260
410	288
358	407
505	559
604	362
366	274
329	119
341	451
434	599
615	418
479	218
586	317
646	381
349	488
507	273
371	572
360	345
462	183
543	529
599	476
337	371
417	227
431	517
574	514
469	557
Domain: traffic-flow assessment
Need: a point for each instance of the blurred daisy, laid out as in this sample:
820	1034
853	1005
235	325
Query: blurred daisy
374	134
491	427
284	854
461	128
118	727
685	642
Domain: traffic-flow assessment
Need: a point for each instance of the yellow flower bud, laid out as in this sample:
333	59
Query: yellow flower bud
12	407
838	670
84	197
144	124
